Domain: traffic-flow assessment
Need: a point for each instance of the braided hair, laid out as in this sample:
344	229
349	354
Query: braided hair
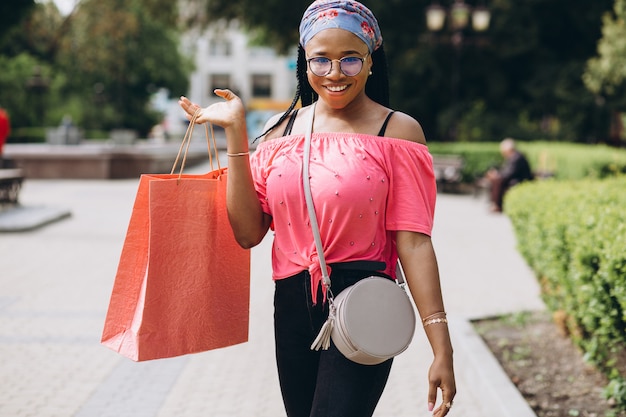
377	87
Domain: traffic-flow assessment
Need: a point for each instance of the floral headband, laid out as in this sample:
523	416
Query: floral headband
348	15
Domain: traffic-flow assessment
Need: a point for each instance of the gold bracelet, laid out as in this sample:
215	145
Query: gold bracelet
439	313
436	321
238	154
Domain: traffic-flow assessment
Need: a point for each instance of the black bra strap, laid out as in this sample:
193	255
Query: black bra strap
384	126
292	119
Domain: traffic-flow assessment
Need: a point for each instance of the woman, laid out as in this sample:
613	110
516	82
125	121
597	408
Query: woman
374	189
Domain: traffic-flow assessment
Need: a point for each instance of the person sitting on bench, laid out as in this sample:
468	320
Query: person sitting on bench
514	170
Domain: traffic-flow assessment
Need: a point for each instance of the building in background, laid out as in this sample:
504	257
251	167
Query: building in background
224	58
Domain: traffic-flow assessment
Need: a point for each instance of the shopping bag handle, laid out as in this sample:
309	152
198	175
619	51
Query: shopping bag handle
187	141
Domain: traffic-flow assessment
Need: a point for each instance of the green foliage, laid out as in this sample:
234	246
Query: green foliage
572	161
573	235
565	161
100	65
477	157
27	135
116	63
616	391
19	95
607	71
12	12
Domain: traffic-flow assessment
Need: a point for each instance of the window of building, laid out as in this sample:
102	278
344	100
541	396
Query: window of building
261	52
219	47
218	81
261	85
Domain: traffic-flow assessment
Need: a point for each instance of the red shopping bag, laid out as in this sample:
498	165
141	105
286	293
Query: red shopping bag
183	283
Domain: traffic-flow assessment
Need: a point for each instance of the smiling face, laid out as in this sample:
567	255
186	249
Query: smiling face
337	89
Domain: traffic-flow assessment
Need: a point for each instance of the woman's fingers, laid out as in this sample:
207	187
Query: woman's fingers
225	94
444	408
189	107
223	113
447	395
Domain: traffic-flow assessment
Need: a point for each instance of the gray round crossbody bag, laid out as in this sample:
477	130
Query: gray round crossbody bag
370	321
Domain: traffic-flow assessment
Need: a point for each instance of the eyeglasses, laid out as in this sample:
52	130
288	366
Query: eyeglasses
349	65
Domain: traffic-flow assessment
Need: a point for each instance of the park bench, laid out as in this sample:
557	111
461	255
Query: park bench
10	184
448	172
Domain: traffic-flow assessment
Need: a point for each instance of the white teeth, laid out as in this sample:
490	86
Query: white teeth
336	89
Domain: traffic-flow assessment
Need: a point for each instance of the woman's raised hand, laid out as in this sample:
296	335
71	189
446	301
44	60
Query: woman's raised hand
226	114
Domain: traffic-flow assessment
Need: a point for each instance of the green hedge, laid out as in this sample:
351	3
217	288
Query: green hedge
573	161
27	135
566	161
573	235
478	157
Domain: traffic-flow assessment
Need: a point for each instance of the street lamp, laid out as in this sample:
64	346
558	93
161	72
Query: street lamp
38	84
458	17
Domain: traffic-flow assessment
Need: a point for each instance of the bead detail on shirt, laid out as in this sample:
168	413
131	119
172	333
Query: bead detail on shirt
372	159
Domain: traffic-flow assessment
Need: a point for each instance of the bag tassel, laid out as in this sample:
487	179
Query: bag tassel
322	341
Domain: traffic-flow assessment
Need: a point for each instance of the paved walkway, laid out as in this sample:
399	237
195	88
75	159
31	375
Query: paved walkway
55	284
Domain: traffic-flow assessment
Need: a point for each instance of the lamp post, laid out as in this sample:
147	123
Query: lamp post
458	17
38	84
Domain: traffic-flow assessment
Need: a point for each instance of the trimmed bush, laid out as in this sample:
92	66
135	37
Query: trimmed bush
573	235
565	161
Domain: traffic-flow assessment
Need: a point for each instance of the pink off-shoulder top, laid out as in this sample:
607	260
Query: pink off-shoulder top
365	188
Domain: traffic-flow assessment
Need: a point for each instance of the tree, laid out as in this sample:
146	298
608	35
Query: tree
26	79
101	63
606	72
116	55
12	12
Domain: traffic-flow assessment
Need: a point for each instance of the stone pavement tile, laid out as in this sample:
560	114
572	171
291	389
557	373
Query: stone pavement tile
48	380
134	389
55	283
482	273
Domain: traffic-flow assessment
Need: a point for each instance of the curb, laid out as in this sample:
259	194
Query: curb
26	218
486	374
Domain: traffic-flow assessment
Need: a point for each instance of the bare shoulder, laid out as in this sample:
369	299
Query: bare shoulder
277	129
274	133
403	126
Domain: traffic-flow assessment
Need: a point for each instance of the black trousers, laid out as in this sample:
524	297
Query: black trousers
320	383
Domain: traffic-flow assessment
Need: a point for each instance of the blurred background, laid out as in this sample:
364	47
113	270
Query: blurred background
467	70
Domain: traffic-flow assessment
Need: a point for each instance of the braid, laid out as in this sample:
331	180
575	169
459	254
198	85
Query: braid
307	94
377	87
